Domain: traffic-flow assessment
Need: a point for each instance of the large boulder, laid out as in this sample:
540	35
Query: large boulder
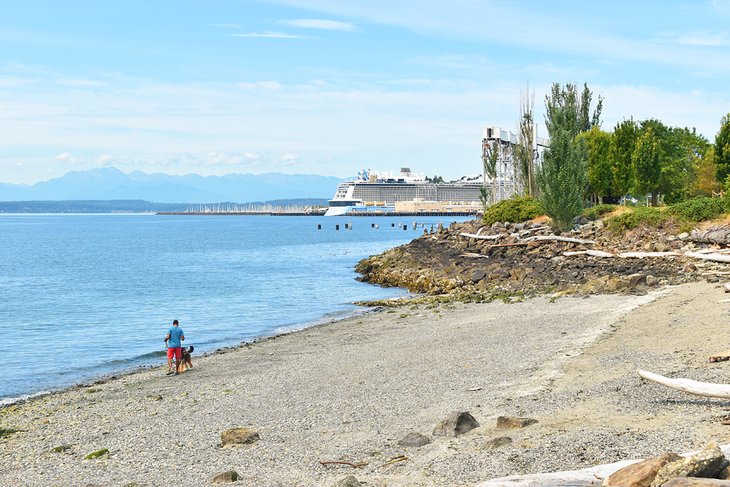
455	424
640	474
708	463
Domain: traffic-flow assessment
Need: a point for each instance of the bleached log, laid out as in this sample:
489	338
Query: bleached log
641	255
716	257
472	255
592	253
556	238
706	389
571	478
482	237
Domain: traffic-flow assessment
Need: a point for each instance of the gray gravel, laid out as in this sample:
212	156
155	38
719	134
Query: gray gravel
349	391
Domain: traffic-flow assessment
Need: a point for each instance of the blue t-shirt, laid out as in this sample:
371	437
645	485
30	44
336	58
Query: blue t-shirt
175	333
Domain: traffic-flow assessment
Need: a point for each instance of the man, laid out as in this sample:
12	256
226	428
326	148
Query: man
174	339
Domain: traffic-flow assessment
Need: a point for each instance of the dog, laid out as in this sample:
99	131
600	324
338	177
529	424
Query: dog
185	361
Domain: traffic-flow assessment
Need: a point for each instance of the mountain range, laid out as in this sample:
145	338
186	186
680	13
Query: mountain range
113	184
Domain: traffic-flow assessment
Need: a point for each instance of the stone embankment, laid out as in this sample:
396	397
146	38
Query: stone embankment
473	262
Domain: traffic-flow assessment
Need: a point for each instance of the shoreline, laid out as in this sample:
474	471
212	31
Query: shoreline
104	377
348	391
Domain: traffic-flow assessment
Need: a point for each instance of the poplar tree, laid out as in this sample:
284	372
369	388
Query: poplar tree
600	174
562	178
623	145
722	151
646	161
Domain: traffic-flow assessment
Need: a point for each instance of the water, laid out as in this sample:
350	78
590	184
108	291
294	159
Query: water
87	295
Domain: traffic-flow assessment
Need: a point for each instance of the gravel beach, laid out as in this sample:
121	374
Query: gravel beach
348	391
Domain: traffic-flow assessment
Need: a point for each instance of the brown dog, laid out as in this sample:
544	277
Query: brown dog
185	361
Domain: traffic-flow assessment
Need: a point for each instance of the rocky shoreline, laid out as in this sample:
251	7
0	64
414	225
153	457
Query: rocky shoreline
473	262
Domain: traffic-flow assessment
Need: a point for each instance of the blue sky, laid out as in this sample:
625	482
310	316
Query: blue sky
332	86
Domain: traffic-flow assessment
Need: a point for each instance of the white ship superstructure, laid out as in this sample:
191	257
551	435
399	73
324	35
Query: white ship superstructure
373	192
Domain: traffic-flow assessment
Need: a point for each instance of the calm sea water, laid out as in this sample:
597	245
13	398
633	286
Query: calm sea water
87	295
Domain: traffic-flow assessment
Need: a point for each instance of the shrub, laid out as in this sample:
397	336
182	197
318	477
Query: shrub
699	209
596	212
514	210
653	217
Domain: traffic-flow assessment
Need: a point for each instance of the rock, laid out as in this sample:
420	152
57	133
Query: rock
513	422
414	439
455	424
690	267
651	281
724	473
696	482
713	278
498	442
636	280
226	477
640	474
683	236
660	247
239	436
478	275
349	481
707	463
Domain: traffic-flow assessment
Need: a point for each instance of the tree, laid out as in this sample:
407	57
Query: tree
722	150
621	153
705	183
646	160
600	175
562	178
524	153
490	155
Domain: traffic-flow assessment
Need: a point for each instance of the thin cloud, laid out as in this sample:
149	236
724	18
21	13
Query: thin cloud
705	39
320	24
271	35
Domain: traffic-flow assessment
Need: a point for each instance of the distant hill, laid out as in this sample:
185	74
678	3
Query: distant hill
138	206
113	184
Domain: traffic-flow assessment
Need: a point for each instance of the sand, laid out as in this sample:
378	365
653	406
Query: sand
348	391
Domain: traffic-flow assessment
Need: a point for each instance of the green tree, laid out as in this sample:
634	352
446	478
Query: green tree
562	178
490	155
524	153
621	153
722	150
646	161
600	175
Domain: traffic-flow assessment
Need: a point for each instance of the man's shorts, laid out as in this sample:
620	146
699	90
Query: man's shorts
174	352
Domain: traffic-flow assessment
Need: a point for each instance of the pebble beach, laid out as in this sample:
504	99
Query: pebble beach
334	400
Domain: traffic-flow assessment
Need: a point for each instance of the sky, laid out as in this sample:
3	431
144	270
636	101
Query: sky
330	87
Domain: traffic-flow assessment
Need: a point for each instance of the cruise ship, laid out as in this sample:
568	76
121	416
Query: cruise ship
374	193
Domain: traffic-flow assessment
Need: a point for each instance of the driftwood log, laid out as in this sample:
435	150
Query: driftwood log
482	237
572	478
716	257
557	238
689	386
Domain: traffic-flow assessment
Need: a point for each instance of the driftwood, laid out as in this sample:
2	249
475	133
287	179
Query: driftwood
556	238
572	478
482	237
472	255
720	357
592	253
689	386
337	462
641	255
716	257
